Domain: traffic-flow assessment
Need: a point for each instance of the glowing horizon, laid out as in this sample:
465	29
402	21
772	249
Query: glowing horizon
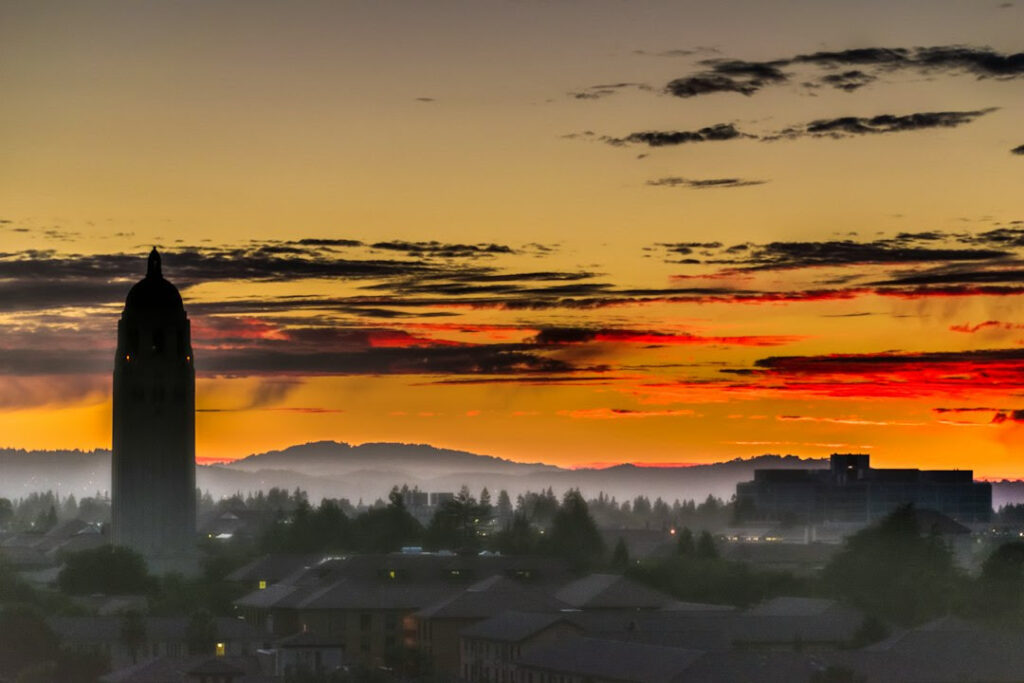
568	233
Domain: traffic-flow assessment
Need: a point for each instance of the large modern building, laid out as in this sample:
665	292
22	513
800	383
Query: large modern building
154	425
850	490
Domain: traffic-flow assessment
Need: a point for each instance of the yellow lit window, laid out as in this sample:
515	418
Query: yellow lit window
263	584
220	649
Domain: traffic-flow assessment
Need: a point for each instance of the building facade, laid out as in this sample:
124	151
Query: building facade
850	490
153	464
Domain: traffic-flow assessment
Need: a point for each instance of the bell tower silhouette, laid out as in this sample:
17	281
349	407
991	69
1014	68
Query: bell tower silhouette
153	463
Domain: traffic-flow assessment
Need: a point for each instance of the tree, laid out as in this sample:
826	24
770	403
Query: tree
1001	584
892	570
574	534
519	538
685	545
201	633
706	546
6	512
46	519
132	633
27	640
620	555
503	511
456	524
111	570
386	529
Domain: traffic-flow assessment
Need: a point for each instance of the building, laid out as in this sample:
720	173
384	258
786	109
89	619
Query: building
367	603
850	490
439	624
590	660
490	649
157	637
153	464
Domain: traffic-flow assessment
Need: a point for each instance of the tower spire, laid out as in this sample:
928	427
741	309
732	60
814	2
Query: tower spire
153	267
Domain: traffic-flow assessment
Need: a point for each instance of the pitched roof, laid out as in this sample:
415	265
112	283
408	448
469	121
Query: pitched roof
512	627
171	670
757	665
108	629
611	591
489	597
354	593
611	660
307	639
793	607
272	568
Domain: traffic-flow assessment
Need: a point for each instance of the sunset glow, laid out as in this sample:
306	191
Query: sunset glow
576	233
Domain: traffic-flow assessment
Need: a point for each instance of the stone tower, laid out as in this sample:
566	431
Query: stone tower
154	460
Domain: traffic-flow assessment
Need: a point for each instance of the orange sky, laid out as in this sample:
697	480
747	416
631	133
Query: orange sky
575	232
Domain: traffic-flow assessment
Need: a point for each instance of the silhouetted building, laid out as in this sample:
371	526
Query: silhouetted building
153	466
852	491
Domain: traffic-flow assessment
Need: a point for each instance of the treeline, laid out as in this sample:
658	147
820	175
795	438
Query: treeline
463	524
895	571
41	511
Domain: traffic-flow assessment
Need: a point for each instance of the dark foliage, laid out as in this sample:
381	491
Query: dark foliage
893	571
573	534
111	570
703	579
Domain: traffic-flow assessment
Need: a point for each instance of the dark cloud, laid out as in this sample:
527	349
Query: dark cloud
856	363
560	336
443	250
836	128
596	92
848	80
727	75
788	255
705	183
478	360
982	62
892	374
320	242
747	78
1017	150
850	126
951	275
721	131
863	56
38	279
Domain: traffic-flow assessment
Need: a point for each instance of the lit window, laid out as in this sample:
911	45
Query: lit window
220	649
263	584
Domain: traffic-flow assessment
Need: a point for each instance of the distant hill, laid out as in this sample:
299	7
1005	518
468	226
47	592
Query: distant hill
368	471
333	458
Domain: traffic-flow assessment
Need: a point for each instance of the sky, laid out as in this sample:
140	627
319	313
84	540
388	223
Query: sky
583	232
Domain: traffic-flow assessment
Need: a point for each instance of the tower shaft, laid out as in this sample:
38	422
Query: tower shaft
153	464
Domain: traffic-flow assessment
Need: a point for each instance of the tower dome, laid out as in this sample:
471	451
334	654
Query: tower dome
153	292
